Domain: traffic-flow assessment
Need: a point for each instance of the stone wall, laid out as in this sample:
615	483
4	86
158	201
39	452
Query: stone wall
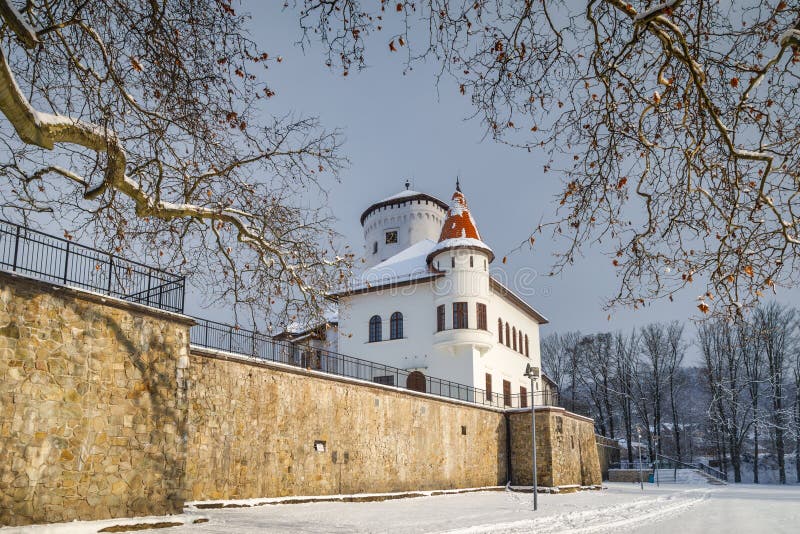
105	412
627	475
253	427
608	452
566	452
92	405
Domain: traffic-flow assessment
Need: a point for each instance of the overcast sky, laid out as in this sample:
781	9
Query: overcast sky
400	127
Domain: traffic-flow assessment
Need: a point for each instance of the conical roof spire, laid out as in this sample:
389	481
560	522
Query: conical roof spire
459	229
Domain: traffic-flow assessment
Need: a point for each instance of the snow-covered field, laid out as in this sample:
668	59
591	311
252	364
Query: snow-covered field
622	507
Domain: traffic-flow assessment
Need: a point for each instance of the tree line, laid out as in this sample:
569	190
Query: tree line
738	404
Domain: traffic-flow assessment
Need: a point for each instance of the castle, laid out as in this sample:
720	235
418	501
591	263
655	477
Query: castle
427	303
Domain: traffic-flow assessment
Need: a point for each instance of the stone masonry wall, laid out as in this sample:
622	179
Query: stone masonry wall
566	452
253	428
608	451
92	406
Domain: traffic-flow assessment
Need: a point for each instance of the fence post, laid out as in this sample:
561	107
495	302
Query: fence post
16	250
183	293
66	263
230	341
206	326
149	282
110	271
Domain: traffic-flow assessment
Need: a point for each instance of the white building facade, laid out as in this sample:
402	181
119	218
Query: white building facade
427	305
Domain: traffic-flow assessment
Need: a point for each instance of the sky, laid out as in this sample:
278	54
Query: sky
402	126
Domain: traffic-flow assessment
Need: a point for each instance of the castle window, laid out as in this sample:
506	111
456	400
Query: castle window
506	393
391	237
375	328
499	330
375	247
508	336
488	387
526	346
440	318
514	336
452	261
460	315
485	265
523	397
470	262
481	314
396	326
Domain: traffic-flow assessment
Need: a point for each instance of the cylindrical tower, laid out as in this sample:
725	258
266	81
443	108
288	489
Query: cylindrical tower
463	291
397	222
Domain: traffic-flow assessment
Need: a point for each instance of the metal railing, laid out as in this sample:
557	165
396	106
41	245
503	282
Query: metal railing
229	338
716	473
64	262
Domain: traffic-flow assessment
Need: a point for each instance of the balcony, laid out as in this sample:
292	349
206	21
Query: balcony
453	338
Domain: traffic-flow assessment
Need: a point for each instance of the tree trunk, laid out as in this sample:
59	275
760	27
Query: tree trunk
675	429
755	441
797	428
779	445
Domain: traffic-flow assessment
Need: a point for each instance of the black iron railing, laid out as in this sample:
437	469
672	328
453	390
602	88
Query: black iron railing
228	338
61	261
716	473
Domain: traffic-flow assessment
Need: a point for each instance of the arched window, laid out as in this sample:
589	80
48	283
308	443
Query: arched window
499	330
508	335
396	326
514	336
520	341
375	328
526	346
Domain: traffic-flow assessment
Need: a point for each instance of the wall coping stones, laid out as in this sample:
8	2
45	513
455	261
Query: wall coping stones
258	362
564	411
56	289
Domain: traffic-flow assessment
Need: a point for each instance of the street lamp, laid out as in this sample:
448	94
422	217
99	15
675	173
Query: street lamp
639	443
533	374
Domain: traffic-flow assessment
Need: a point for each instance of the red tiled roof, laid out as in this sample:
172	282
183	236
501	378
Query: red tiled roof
459	222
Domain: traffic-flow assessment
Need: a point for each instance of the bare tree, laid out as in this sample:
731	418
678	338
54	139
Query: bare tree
753	366
679	121
143	123
723	356
797	413
676	350
625	351
595	376
776	324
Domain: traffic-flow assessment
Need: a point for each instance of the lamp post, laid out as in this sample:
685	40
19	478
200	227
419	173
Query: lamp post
533	374
639	443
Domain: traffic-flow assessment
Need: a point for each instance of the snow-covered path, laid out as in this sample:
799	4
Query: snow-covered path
682	509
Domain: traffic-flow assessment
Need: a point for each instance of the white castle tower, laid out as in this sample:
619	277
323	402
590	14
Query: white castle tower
399	221
464	259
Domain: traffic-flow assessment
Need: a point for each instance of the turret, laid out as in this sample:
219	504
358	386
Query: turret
399	221
462	295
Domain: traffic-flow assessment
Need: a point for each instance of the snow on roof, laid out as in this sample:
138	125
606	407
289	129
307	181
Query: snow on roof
406	195
407	265
330	315
459	229
402	194
458	242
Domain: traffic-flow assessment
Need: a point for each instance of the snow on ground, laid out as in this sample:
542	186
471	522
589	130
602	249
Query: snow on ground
622	507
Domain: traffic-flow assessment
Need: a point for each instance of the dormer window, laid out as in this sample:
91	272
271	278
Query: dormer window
391	237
